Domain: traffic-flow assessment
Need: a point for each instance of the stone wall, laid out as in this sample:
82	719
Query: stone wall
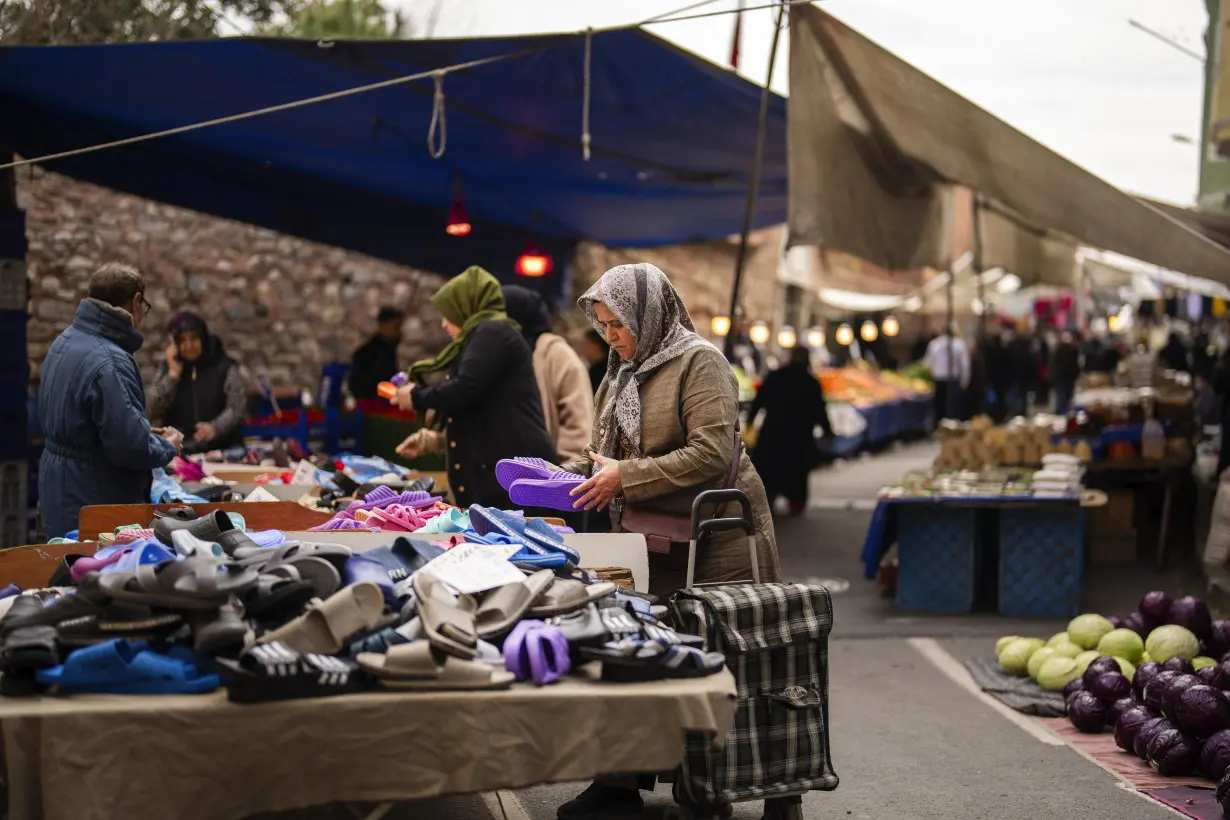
282	305
285	306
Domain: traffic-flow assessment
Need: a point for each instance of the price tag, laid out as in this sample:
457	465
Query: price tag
305	473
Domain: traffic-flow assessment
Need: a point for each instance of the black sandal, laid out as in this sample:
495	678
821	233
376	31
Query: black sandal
274	671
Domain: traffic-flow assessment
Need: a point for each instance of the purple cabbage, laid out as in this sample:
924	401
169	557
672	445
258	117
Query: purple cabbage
1148	730
1073	686
1222	794
1202	711
1144	673
1155	688
1215	754
1114	710
1086	712
1117	622
1173	753
1098	667
1174	691
1179	665
1192	613
1110	687
1129	724
1218	642
1136	622
1211	676
1154	608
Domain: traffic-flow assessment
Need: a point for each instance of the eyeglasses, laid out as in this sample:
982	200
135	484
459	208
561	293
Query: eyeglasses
145	305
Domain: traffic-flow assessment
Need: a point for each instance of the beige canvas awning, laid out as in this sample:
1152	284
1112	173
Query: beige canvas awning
872	140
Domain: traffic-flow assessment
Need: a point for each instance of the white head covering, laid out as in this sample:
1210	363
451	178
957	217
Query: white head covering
643	299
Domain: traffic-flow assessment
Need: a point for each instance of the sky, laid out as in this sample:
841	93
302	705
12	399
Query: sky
1072	74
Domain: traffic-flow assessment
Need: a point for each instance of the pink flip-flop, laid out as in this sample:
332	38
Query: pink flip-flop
398	518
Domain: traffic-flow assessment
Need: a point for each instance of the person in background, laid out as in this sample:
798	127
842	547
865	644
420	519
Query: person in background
785	453
488	395
376	360
1040	351
563	380
951	372
1064	369
918	351
98	448
199	389
1174	355
595	351
999	376
1221	387
1204	357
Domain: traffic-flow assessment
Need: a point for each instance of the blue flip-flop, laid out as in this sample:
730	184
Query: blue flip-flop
537	535
360	567
122	668
147	552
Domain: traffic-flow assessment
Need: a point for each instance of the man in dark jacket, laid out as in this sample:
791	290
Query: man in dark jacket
376	360
99	448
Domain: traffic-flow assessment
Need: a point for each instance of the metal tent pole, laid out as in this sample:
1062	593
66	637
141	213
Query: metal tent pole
753	188
982	317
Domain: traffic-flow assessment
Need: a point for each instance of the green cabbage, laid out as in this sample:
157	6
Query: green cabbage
1014	657
1066	649
1126	668
1002	642
1058	638
1172	641
1086	630
1057	673
1037	659
1085	658
1122	643
1201	661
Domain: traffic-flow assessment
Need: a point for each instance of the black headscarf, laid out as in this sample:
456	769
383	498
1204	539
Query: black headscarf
528	309
211	346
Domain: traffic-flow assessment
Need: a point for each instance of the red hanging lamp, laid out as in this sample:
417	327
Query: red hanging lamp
458	219
533	262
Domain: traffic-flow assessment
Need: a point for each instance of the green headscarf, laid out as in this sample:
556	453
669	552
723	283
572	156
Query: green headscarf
466	300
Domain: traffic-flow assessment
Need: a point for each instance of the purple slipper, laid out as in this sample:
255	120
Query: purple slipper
416	498
342	524
538	652
105	557
553	492
267	538
509	470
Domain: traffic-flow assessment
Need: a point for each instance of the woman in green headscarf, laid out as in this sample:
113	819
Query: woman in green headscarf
488	398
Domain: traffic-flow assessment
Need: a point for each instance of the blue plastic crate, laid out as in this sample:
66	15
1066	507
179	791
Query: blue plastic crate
1041	561
939	558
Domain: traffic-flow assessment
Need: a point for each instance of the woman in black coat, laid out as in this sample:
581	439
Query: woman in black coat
785	452
487	401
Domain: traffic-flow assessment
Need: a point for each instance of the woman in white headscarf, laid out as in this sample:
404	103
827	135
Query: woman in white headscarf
664	431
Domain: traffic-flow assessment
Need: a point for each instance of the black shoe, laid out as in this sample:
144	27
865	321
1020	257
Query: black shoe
208	528
599	801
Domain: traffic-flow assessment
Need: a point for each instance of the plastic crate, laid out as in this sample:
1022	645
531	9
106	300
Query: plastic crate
1041	561
939	558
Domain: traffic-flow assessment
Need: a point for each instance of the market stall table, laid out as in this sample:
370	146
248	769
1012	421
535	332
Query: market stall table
91	757
264	515
1135	472
944	545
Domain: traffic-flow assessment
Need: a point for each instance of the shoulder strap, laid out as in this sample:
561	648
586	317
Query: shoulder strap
732	474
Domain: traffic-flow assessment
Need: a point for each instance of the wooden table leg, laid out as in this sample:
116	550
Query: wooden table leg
1164	525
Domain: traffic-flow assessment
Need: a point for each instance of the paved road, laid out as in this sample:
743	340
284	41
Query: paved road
908	742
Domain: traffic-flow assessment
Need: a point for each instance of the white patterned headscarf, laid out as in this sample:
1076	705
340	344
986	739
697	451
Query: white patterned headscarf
643	299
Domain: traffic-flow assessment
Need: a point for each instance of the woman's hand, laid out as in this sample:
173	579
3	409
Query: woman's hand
404	399
175	368
205	432
599	491
417	443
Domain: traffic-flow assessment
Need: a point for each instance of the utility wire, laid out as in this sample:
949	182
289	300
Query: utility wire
1168	41
435	72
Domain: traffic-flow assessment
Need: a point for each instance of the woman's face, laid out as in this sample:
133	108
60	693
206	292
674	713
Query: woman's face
617	336
451	329
189	344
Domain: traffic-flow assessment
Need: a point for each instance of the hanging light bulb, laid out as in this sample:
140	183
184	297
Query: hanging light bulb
815	337
1011	283
720	325
787	338
890	327
458	218
759	333
977	306
533	262
844	335
869	332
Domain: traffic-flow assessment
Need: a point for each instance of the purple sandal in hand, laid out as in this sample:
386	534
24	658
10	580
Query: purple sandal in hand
538	652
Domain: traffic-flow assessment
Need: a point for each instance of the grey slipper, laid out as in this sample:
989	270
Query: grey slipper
503	607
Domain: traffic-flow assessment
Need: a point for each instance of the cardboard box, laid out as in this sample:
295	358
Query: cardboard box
1117	517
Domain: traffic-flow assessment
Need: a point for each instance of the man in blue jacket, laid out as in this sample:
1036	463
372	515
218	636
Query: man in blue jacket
99	447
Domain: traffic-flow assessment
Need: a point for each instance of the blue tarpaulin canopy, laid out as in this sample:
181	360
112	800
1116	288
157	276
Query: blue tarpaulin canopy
673	139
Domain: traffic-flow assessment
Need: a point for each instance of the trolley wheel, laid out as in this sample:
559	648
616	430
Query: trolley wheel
783	808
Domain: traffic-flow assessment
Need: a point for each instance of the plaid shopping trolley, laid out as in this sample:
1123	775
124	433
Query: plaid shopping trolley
775	638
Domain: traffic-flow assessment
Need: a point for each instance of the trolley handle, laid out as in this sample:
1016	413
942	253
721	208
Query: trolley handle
715	525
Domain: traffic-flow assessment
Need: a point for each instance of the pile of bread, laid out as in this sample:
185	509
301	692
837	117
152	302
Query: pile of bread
983	445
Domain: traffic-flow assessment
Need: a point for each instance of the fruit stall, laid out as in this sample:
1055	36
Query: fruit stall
1146	696
893	404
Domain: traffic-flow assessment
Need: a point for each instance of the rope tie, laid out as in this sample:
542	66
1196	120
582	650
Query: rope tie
438	119
589	54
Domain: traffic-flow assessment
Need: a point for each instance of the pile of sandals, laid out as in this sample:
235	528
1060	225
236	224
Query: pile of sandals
193	604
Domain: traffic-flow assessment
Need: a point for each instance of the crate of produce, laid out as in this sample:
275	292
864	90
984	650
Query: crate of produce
1041	561
939	558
